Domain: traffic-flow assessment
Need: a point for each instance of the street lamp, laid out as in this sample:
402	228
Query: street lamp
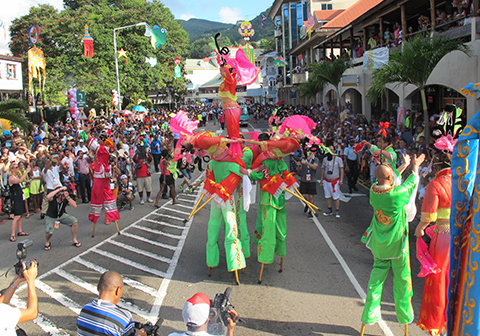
116	58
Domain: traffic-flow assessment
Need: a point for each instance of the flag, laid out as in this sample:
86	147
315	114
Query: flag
264	18
2	25
310	24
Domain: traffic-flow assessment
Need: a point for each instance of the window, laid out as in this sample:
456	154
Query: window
326	6
11	71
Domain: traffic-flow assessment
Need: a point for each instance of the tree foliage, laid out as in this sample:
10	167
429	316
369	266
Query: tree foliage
8	111
324	73
61	35
205	46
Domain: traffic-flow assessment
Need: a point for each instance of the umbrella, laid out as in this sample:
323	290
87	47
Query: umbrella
280	102
140	108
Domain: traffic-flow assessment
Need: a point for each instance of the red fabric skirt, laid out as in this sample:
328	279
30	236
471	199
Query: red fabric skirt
102	197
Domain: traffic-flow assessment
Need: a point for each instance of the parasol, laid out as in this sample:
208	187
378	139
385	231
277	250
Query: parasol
140	108
280	102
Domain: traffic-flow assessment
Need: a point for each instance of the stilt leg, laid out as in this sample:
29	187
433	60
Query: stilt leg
93	232
209	271
304	199
194	208
362	331
406	329
116	224
236	277
281	265
310	205
261	274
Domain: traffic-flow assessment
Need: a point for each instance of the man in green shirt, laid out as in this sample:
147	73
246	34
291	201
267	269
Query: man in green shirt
385	152
387	238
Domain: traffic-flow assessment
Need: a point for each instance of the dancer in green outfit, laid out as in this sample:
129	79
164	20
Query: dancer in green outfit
224	211
387	238
386	152
272	210
244	236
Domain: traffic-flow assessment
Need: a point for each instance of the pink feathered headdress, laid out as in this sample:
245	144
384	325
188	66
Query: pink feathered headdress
446	143
246	72
179	124
297	124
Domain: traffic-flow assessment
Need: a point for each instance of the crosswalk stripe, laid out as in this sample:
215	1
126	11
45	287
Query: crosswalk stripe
129	262
177	211
189	195
129	282
165	223
140	251
60	298
157	232
168	216
44	323
184	206
149	241
85	285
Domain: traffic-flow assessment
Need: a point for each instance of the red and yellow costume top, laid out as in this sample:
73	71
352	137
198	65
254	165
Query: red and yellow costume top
438	197
228	88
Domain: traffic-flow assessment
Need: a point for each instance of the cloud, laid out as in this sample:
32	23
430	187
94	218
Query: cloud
15	9
230	15
187	16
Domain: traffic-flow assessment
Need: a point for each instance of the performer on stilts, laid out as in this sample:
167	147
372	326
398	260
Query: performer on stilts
387	238
436	259
102	196
463	311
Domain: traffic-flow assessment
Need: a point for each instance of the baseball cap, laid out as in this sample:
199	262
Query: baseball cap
196	310
123	176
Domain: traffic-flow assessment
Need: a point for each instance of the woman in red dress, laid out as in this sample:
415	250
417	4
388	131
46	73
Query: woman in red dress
436	208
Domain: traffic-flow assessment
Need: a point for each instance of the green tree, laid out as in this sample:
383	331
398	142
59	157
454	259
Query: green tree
324	73
61	41
413	66
268	44
8	111
203	47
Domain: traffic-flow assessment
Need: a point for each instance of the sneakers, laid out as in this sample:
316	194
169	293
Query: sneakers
305	209
131	207
310	215
142	202
122	207
337	214
181	188
328	213
190	190
149	200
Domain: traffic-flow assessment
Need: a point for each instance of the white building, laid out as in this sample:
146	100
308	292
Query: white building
11	83
199	72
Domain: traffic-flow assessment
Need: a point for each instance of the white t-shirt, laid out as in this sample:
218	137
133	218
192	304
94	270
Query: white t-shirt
9	319
68	161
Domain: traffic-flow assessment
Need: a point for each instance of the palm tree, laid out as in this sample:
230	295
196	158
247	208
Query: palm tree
8	111
414	65
324	73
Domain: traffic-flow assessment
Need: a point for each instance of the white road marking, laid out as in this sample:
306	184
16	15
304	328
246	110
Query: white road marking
244	130
60	298
177	211
45	324
189	195
92	289
162	290
140	251
184	206
149	241
129	262
164	223
168	216
158	232
129	282
349	273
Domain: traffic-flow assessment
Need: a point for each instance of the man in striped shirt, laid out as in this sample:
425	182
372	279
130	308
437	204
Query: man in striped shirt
102	316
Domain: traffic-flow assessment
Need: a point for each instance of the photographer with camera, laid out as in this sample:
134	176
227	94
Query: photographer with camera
10	316
196	314
102	316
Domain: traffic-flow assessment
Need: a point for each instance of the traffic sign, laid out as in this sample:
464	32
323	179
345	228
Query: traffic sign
81	99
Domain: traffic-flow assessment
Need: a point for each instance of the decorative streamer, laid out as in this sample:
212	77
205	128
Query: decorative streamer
36	61
87	43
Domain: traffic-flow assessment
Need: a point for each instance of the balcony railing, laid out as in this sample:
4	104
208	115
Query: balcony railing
299	78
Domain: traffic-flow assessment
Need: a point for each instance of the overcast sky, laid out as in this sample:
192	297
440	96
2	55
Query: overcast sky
228	11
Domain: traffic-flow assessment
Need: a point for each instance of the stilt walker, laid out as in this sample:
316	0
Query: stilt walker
240	205
387	238
102	196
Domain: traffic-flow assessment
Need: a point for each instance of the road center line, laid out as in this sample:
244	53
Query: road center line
349	273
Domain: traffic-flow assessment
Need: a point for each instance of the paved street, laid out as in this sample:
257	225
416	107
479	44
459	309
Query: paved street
162	259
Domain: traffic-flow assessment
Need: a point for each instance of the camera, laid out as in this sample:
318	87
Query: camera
22	255
218	317
150	329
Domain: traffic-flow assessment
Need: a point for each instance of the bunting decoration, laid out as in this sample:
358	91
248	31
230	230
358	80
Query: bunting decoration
33	34
87	43
123	53
264	18
36	61
177	72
